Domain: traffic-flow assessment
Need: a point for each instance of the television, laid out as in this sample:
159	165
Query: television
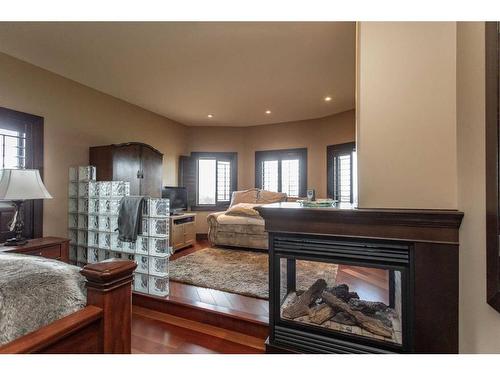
177	196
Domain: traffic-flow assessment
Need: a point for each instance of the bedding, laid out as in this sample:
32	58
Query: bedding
35	292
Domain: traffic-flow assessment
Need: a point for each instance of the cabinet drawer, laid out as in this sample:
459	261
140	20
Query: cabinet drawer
53	252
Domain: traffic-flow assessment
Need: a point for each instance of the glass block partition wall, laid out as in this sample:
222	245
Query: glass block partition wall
92	228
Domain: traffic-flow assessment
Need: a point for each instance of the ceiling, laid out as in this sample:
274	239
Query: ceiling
187	70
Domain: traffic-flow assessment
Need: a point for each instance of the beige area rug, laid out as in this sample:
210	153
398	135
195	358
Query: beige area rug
242	272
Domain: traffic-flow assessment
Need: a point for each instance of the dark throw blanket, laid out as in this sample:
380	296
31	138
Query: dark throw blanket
35	292
129	218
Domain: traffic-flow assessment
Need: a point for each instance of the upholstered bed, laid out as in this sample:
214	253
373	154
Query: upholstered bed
47	306
242	228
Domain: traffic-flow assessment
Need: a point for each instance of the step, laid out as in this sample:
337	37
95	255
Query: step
236	321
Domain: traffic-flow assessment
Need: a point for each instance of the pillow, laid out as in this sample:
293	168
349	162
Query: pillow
243	209
266	197
244	196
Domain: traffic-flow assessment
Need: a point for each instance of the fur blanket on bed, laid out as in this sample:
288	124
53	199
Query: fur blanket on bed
35	292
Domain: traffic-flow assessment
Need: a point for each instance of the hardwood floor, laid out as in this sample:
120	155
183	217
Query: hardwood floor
161	332
370	284
158	333
235	304
199	245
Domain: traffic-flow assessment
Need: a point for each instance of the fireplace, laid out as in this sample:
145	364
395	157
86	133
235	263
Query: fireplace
312	311
319	258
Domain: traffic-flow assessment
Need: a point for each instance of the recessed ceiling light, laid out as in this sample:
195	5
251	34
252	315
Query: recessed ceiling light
210	115
328	98
268	112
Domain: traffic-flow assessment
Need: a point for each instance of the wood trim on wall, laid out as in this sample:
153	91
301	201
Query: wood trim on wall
331	151
300	153
188	178
34	139
492	165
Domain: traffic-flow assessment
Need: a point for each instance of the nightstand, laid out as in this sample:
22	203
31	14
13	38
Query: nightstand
47	247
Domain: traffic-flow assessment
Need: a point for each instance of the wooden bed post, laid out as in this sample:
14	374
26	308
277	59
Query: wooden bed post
109	287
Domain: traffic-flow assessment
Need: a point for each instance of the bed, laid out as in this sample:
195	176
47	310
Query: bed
100	323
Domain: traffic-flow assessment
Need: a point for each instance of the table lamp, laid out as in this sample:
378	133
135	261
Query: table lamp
17	186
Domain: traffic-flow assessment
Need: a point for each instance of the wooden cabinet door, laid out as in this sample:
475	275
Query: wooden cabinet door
177	236
127	166
189	233
151	172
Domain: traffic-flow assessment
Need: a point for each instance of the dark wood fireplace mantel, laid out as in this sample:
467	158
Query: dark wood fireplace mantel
431	238
437	226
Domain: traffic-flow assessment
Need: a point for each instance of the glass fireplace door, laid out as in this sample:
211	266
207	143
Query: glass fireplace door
359	300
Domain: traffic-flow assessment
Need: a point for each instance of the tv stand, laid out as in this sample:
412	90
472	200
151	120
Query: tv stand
182	230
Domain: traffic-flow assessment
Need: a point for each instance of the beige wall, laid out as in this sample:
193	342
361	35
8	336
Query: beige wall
406	103
479	323
77	117
315	135
220	139
417	147
441	144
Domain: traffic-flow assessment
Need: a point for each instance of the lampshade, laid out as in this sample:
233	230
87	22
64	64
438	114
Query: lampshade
22	184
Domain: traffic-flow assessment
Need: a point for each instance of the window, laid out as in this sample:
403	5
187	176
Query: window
270	175
21	146
290	177
12	148
342	172
207	170
282	170
223	181
210	178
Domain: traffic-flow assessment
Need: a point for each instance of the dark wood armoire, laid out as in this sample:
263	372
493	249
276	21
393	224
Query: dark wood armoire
138	163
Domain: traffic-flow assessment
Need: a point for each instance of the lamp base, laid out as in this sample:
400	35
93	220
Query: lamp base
16	242
17	225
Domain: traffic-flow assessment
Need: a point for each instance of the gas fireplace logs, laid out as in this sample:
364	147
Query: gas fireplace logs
301	306
338	304
320	313
370	324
